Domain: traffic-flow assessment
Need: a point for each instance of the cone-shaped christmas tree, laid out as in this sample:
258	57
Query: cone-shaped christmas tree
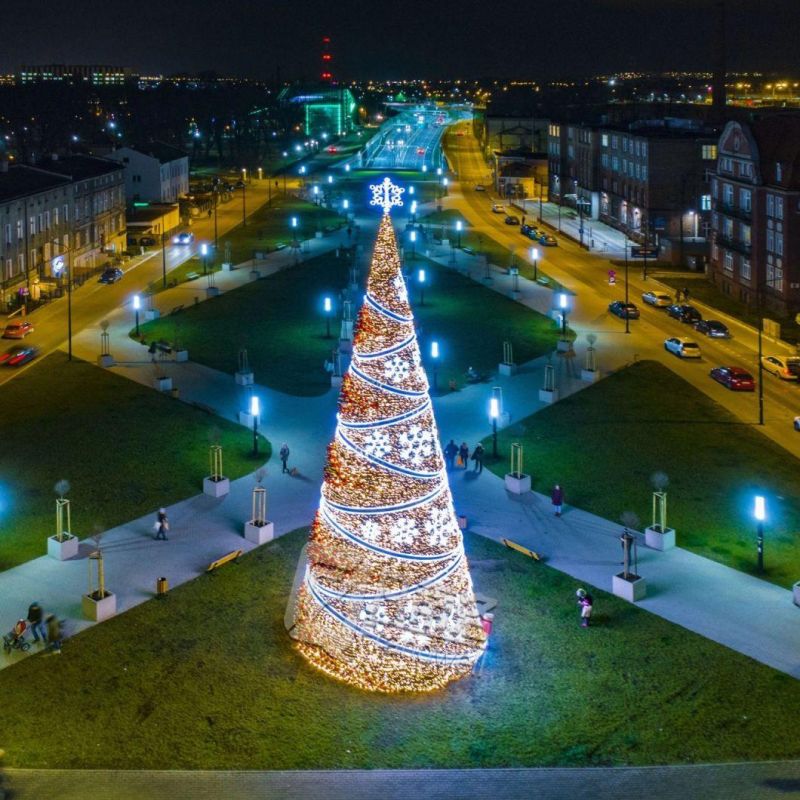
387	602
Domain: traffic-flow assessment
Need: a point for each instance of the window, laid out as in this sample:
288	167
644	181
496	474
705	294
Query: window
55	216
746	234
726	165
778	207
714	252
746	169
779	243
770	240
709	152
66	213
21	262
604	160
778	172
614	142
727	194
604	140
47	220
728	262
727	228
770	205
32	226
7	240
746	271
705	202
644	172
9	268
644	149
714	187
20	232
745	199
624	145
615	163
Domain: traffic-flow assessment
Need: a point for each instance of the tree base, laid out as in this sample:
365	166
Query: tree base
632	588
62	550
658	539
259	533
101	609
216	488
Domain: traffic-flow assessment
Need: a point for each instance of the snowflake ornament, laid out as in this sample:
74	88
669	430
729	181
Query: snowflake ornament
378	444
416	444
403	531
386	194
439	527
370	531
396	369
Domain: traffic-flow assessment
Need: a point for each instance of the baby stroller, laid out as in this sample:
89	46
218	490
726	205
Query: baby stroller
15	639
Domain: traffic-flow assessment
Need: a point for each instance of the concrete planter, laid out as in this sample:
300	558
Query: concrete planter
99	610
632	590
258	534
515	295
254	275
212	291
659	540
507	369
246	419
61	551
796	593
162	384
547	396
517	483
563	346
590	375
181	355
227	266
244	378
318	235
151	314
216	488
105	361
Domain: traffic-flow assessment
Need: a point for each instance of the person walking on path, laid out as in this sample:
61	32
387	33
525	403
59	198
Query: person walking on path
450	453
557	496
162	524
36	620
585	604
677	295
284	454
685	294
54	633
463	453
477	457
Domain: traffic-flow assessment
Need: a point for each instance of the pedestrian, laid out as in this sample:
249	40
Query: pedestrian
586	605
685	294
557	496
677	295
54	634
161	524
284	453
19	630
477	457
463	454
487	623
450	453
35	618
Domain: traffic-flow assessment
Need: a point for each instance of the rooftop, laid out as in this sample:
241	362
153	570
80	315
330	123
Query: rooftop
778	140
159	150
22	181
80	167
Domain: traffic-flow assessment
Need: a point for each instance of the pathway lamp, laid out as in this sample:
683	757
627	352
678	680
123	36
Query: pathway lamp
435	362
254	412
562	304
137	304
424	167
421	279
459	226
204	256
535	259
328	307
413	237
494	413
760	513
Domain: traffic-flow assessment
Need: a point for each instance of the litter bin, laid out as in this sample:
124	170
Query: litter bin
175	392
162	587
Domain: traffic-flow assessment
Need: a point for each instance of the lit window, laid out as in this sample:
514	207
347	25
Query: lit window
709	152
705	202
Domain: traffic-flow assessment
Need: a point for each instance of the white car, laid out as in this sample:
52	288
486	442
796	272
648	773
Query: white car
787	368
683	348
497	208
479	187
658	299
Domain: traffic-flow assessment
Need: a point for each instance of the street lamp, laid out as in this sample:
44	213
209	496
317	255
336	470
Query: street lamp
328	306
137	304
562	304
424	167
411	190
421	279
459	226
535	259
413	237
330	178
760	513
435	361
413	210
494	413
438	170
347	168
244	211
204	254
627	320
254	411
315	192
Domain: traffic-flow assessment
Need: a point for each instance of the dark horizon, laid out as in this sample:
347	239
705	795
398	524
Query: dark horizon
414	40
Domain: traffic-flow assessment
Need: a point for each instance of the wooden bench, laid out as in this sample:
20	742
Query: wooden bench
520	549
543	281
191	276
281	246
226	559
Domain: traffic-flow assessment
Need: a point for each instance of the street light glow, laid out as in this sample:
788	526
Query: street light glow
328	305
413	206
534	254
562	300
347	168
345	204
421	276
254	406
204	249
413	236
294	222
494	408
458	225
760	508
330	178
137	304
434	349
424	167
411	190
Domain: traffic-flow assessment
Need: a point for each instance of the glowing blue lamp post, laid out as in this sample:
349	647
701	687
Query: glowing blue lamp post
293	225
315	191
204	256
435	362
421	279
413	210
413	237
760	513
535	259
562	304
328	306
254	412
137	304
494	413
459	226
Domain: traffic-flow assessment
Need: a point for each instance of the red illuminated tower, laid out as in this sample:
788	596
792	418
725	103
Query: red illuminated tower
326	75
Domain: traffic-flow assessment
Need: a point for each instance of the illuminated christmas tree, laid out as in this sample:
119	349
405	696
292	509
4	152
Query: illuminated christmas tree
387	602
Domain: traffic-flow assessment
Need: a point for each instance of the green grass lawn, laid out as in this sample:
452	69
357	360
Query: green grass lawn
125	450
603	444
446	221
208	678
279	321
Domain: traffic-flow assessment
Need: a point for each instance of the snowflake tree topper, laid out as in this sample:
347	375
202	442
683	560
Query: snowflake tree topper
386	194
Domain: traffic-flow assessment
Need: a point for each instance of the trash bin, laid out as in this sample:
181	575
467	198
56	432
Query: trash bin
175	392
162	587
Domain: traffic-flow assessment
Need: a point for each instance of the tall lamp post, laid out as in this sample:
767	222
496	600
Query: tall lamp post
435	362
459	226
413	237
328	307
562	304
254	411
494	413
535	259
760	513
204	256
216	202
137	304
244	211
293	226
421	279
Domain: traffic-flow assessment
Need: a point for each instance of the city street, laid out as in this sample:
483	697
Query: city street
405	144
586	275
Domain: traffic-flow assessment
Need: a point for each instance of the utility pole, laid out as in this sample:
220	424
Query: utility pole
244	214
163	256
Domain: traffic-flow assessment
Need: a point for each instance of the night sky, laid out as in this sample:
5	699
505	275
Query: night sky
410	38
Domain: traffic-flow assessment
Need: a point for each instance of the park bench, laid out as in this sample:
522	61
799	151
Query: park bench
542	281
469	251
226	559
191	276
520	549
176	309
281	246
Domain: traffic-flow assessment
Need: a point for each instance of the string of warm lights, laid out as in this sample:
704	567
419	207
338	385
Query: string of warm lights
387	602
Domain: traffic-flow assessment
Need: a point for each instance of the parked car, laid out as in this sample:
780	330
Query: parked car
787	368
529	231
497	208
17	329
186	237
19	355
147	241
548	240
713	329
735	378
687	314
110	275
683	348
657	299
511	220
797	424
622	309
479	187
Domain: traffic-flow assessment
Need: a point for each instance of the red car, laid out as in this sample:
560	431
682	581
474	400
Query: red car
420	151
332	148
17	356
18	329
735	378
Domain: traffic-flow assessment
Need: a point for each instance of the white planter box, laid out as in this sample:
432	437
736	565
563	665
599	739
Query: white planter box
61	551
227	266
244	378
515	295
336	381
255	275
518	484
99	610
563	346
246	419
106	360
507	369
151	314
258	534
181	355
632	591
212	291
659	540
216	488
546	396
162	384
796	593
590	375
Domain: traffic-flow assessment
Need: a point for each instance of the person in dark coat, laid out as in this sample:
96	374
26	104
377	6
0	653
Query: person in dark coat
450	453
557	497
284	454
477	457
54	633
162	524
463	451
36	620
